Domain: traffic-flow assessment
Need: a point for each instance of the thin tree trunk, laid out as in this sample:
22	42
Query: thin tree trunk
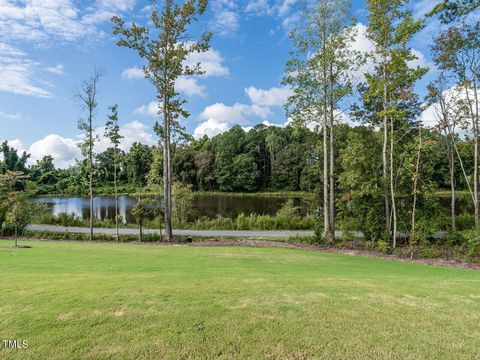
16	235
415	182
116	194
464	172
452	186
166	173
392	186
326	205
475	152
384	149
475	176
332	158
90	155
160	217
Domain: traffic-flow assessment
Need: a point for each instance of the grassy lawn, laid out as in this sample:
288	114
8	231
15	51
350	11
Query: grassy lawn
99	301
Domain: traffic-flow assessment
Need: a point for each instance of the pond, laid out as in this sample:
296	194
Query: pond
210	205
205	205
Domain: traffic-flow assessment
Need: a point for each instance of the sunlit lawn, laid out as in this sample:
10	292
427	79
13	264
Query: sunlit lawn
94	301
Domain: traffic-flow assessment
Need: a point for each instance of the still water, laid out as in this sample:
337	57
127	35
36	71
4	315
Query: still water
211	205
203	205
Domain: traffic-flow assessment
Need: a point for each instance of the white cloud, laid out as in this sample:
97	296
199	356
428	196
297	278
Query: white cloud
211	127
261	111
284	10
58	69
211	63
219	117
225	23
63	150
11	117
8	51
133	73
17	145
44	23
234	114
285	6
117	5
17	73
190	86
226	20
421	60
44	20
275	96
151	109
259	7
134	131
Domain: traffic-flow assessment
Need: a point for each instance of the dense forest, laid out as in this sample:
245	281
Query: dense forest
266	158
382	174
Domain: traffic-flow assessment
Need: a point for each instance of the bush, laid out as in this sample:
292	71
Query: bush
465	221
472	243
288	209
382	246
428	252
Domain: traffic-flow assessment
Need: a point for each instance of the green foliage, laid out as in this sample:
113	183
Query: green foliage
288	209
183	211
454	10
17	214
472	243
11	160
382	246
465	221
138	162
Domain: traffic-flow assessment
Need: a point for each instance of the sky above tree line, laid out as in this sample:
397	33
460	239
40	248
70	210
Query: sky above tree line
48	46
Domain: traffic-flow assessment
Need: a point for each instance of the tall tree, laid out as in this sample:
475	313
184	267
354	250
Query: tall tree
448	115
457	50
112	132
319	73
390	28
165	48
87	94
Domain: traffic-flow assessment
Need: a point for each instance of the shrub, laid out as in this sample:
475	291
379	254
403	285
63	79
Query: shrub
465	221
472	244
382	246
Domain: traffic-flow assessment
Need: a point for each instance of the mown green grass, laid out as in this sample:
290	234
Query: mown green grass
99	301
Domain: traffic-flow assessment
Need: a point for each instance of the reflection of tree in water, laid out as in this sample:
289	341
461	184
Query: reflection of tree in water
203	205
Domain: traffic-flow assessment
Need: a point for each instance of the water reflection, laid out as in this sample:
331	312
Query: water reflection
203	205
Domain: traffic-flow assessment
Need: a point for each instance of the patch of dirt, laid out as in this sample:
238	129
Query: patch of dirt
118	312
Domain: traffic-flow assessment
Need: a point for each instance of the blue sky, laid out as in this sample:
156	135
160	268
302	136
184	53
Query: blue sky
48	46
